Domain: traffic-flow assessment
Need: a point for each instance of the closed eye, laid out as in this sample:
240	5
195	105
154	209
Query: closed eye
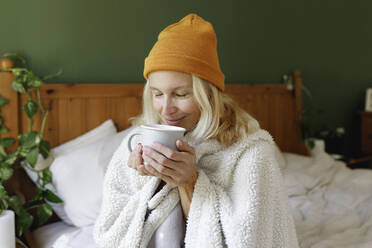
181	95
157	94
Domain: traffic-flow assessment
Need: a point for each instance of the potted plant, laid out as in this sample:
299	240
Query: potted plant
28	146
330	140
309	131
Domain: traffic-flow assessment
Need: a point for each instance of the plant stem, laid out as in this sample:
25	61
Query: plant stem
5	204
39	100
29	96
2	151
43	123
21	242
34	205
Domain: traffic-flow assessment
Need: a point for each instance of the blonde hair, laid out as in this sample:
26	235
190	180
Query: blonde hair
221	117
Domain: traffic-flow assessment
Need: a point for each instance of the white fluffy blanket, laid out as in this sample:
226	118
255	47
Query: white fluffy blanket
239	200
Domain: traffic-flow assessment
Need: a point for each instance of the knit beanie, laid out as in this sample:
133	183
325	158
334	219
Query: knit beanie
190	46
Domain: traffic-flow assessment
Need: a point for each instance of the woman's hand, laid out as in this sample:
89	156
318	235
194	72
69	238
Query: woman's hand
136	162
177	168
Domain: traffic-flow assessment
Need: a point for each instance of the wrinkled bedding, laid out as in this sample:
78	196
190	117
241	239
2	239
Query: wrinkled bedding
62	235
331	204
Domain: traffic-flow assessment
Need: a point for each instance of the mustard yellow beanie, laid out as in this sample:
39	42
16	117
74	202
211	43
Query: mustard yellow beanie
190	46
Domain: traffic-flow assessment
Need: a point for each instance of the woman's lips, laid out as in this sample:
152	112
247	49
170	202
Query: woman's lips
174	122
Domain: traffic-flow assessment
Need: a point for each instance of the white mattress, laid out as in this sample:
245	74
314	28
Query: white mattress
61	235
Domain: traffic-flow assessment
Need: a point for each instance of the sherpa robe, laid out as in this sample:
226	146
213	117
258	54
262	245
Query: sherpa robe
239	199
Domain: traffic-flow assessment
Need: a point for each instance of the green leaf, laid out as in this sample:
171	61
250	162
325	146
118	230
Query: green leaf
44	212
5	173
23	151
17	71
29	139
17	85
50	196
44	148
3	101
30	108
31	157
5	142
23	222
2	191
15	204
52	75
34	201
3	130
10	159
32	80
46	176
35	82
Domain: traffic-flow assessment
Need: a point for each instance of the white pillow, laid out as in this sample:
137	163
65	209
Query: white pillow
109	148
78	178
104	130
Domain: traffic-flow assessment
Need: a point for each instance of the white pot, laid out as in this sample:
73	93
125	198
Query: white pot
319	146
7	229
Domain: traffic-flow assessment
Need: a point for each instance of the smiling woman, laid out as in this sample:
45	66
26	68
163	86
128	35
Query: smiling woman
172	98
150	193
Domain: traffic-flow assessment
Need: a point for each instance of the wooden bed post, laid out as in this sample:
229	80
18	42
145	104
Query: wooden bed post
10	111
297	81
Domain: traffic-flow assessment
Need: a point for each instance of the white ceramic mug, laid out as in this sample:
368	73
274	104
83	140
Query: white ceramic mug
163	134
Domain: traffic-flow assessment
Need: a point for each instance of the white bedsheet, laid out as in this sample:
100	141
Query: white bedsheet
61	235
331	204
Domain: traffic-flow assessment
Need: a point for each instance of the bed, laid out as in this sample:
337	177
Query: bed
331	204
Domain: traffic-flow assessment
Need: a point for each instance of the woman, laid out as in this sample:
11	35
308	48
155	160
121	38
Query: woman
223	181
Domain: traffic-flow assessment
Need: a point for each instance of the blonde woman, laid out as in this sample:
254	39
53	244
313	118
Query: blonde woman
222	188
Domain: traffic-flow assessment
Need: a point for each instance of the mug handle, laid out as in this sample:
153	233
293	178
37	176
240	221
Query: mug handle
129	144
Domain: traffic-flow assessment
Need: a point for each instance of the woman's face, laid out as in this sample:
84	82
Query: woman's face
173	98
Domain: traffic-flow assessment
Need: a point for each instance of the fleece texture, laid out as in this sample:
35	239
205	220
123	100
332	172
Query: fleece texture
239	199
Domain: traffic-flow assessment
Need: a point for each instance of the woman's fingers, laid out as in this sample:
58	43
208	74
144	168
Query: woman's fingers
167	152
184	147
157	166
160	158
136	161
142	170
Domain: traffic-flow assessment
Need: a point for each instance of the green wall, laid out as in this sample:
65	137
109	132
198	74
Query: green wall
258	41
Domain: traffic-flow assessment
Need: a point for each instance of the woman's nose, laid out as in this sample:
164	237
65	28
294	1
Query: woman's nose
168	106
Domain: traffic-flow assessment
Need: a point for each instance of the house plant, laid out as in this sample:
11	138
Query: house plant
333	138
28	147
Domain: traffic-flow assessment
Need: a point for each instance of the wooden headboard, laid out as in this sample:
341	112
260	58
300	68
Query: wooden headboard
77	108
